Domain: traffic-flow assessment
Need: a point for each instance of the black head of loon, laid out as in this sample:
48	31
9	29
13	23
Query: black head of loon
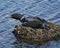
17	16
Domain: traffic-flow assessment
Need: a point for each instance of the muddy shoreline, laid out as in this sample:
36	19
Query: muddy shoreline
33	35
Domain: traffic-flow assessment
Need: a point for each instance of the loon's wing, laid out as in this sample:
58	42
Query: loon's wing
43	20
37	18
33	24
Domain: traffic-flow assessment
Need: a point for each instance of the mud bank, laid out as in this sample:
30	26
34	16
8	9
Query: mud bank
33	35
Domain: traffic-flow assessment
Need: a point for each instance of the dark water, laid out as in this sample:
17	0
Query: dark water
47	9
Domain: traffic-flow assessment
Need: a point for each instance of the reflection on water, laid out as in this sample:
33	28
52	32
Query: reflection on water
47	9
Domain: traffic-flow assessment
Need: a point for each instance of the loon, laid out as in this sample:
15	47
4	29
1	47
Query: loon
34	22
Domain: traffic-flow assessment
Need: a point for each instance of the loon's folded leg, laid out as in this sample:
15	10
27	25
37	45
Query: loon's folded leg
46	26
25	24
